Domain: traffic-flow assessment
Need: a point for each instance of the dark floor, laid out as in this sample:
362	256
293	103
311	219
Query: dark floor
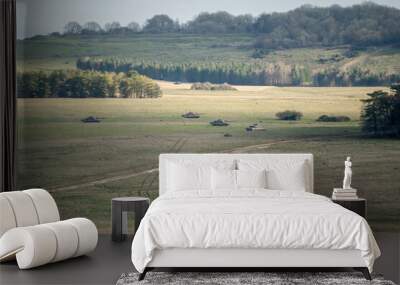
103	266
110	260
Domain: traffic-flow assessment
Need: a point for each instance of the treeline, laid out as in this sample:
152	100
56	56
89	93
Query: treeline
85	84
253	73
381	113
358	25
256	73
356	76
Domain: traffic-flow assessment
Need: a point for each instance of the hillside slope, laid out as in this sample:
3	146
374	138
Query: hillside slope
234	50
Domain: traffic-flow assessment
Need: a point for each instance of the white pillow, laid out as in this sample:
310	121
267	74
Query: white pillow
223	179
191	174
188	177
251	178
281	174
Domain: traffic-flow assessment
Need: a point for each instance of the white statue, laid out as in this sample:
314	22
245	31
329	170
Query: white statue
347	174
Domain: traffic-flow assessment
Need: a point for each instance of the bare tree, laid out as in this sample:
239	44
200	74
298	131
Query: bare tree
72	28
92	27
161	24
134	27
110	27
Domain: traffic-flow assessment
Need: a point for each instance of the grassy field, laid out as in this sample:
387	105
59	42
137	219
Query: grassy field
48	53
84	165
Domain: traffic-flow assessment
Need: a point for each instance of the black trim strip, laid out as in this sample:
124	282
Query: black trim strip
8	99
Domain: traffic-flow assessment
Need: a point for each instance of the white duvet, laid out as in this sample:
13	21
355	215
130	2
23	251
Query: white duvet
250	219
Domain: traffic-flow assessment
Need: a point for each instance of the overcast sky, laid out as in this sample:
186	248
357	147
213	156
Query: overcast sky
45	16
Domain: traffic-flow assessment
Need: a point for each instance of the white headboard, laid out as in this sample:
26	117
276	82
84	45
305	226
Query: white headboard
306	157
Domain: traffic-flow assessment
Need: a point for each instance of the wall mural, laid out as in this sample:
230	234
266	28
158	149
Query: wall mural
99	102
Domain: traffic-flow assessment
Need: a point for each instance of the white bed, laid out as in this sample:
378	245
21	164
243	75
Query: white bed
248	227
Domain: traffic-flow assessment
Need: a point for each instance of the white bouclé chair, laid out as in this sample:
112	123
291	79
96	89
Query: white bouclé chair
32	233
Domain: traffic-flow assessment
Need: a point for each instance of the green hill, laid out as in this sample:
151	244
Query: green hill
216	58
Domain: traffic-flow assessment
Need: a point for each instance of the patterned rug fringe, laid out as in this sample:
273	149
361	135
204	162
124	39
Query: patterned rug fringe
247	278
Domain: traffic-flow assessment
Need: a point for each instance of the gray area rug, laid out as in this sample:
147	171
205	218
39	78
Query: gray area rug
269	278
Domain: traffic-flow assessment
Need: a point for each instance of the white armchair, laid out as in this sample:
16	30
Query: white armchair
31	230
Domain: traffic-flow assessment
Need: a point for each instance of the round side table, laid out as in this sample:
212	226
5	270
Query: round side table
119	214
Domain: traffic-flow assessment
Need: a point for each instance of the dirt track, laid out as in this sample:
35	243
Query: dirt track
175	148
